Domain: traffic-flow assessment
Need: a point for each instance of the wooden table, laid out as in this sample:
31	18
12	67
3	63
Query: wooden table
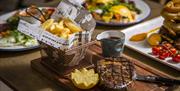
15	67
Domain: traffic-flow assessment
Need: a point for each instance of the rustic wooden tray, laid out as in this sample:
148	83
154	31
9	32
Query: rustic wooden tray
55	73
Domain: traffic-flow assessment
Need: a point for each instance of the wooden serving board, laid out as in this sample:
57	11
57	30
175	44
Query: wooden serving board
53	73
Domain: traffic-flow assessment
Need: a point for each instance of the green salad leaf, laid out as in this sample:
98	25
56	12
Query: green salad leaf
17	38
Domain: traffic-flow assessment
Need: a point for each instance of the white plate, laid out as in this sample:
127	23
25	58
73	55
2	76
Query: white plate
143	47
145	12
18	48
3	18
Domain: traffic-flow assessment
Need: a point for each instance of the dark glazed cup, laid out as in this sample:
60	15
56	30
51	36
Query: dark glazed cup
112	43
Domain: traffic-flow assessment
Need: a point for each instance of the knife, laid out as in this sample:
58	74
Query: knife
156	79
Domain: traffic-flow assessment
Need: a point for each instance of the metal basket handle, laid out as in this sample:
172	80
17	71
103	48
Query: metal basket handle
34	16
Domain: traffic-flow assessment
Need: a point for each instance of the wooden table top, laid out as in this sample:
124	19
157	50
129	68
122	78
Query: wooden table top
15	67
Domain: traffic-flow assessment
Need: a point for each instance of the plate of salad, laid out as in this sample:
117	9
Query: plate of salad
10	38
13	40
118	12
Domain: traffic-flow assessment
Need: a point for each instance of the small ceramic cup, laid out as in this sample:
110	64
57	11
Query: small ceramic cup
112	43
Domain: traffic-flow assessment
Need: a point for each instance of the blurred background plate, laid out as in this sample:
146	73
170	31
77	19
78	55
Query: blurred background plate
3	19
145	12
18	48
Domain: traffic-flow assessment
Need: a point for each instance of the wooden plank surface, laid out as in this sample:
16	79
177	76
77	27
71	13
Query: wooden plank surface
55	75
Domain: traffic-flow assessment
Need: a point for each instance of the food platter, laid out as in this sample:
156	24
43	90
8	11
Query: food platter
14	47
141	5
17	46
94	54
142	46
3	19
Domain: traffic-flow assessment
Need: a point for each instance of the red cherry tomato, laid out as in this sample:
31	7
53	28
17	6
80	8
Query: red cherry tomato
161	57
156	50
169	54
167	45
163	54
155	53
176	58
173	51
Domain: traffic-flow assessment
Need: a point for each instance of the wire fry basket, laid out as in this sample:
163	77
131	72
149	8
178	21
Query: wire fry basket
70	57
70	51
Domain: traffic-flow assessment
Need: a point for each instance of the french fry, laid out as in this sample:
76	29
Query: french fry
47	24
61	23
63	35
64	28
74	28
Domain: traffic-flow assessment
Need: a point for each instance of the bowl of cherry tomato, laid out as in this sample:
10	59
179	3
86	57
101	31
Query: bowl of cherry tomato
166	50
